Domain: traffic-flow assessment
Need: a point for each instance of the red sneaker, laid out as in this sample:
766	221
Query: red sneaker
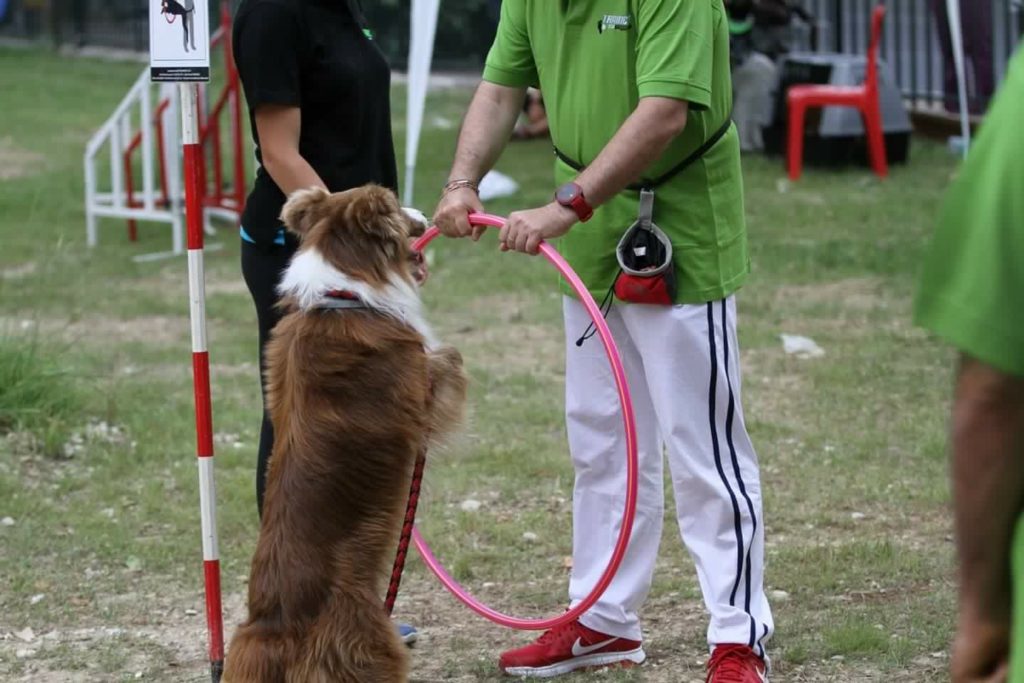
736	664
567	648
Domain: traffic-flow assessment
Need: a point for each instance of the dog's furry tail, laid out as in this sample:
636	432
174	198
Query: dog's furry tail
259	654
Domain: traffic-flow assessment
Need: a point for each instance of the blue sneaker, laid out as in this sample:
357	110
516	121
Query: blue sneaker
407	633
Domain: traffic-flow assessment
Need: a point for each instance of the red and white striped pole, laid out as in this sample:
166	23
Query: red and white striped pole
201	373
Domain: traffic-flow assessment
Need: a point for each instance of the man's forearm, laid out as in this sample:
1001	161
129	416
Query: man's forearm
988	483
486	130
641	139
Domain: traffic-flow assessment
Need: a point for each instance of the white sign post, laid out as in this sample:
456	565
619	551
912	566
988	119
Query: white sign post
179	40
179	34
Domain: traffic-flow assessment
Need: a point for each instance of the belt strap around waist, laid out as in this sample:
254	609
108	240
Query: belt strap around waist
646	184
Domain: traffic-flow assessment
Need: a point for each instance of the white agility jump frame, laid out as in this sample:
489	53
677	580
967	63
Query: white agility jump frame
117	200
146	121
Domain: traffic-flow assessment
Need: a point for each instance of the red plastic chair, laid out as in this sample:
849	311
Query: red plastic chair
863	97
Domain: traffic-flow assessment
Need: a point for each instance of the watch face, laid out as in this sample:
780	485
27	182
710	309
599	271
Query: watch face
567	193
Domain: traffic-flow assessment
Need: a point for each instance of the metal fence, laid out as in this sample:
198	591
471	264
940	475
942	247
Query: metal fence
118	24
915	43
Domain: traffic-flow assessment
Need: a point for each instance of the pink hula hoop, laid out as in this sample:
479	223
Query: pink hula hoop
628	513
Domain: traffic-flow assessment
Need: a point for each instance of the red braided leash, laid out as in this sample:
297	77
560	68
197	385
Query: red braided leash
403	542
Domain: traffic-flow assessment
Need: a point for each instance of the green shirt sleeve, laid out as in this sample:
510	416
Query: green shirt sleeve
674	50
510	60
972	286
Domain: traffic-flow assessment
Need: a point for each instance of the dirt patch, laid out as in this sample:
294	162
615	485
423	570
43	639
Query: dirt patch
237	370
171	285
102	330
153	329
183	370
514	349
20	271
232	286
165	638
510	306
772	388
456	645
856	294
501	333
168	643
16	162
849	309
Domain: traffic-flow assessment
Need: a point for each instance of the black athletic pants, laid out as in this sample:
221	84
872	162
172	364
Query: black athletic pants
262	267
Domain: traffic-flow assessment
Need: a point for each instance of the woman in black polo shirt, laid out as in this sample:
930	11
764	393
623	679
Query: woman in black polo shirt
318	91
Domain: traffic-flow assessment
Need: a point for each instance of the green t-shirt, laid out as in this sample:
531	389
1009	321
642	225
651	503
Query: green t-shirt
593	60
972	288
1017	628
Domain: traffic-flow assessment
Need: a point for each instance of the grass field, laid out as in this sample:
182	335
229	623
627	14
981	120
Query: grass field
100	558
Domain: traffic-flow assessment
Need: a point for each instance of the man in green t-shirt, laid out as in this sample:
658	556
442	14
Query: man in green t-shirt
638	91
972	295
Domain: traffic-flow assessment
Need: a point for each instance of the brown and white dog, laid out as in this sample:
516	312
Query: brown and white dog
354	394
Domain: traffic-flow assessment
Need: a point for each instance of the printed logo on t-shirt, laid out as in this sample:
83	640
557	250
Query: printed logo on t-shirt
618	22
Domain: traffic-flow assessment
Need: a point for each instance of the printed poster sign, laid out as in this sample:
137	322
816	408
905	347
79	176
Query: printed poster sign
179	40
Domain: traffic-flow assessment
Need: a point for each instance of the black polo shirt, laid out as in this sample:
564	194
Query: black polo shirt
316	55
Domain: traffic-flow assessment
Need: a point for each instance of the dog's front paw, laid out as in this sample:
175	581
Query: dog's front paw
446	357
448	395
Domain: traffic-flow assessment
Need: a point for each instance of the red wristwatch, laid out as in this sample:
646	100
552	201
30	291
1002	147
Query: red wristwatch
571	195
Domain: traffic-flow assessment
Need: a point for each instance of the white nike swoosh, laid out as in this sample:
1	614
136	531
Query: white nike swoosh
579	649
763	675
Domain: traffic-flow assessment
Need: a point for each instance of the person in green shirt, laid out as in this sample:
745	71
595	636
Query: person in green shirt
638	93
972	295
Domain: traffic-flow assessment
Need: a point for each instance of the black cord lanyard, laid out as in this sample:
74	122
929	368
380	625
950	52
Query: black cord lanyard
645	187
672	172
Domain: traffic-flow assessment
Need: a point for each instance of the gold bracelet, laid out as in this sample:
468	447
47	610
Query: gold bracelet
453	185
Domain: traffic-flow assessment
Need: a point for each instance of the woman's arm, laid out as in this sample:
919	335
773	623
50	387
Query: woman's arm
278	128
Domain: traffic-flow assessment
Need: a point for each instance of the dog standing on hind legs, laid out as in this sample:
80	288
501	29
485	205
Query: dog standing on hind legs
356	389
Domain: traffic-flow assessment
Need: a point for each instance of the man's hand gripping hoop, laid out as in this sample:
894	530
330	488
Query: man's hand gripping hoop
629	510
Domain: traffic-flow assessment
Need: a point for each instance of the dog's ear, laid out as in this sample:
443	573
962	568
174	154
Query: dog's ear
303	209
375	211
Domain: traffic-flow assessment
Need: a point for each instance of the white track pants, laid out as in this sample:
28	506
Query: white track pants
682	366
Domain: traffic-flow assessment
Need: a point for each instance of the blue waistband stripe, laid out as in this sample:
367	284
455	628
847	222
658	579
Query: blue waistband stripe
278	239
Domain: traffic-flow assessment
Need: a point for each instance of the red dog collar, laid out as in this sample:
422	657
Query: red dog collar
341	298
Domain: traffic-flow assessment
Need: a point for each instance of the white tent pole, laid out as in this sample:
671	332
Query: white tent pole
957	40
410	178
421	50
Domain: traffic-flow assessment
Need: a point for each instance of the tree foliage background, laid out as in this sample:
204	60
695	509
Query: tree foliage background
465	29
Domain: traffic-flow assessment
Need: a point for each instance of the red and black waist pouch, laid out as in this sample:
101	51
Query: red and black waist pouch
647	274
